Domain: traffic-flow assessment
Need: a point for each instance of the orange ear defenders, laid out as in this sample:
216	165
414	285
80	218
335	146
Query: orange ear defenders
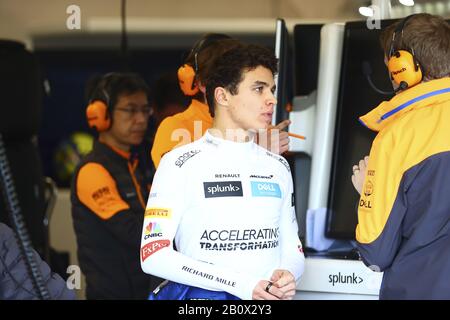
402	65
98	116
186	78
97	112
186	73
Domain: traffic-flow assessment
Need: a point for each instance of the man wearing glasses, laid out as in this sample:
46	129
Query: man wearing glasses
108	190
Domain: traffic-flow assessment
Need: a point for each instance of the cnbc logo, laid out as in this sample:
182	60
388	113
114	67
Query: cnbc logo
152	230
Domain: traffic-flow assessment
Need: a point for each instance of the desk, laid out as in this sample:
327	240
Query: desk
326	279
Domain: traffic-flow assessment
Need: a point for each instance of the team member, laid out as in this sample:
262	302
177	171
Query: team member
190	125
168	99
109	193
226	202
404	210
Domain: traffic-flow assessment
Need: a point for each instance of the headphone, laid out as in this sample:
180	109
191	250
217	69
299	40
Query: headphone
402	64
186	73
186	78
97	111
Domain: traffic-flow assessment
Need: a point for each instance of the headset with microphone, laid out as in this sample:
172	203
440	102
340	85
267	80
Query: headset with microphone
403	67
98	109
187	73
367	71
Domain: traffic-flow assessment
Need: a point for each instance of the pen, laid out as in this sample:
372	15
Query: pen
296	136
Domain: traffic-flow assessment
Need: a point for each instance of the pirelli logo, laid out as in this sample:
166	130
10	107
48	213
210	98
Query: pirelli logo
158	213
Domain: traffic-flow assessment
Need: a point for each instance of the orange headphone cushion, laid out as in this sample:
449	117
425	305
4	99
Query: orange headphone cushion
97	116
186	77
403	67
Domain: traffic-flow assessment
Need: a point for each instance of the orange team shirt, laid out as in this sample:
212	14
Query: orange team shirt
98	191
180	129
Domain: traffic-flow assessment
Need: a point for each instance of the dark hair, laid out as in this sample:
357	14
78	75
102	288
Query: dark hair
207	49
228	69
429	37
167	91
109	87
204	42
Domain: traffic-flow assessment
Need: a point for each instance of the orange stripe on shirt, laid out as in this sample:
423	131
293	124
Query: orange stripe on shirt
98	191
132	169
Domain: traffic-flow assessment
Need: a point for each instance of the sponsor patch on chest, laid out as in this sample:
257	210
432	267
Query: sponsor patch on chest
219	189
265	189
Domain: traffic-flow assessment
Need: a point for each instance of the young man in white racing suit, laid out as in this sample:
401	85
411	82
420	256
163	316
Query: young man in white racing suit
226	202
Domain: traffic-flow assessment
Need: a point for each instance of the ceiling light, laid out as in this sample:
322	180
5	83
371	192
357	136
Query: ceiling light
366	11
408	3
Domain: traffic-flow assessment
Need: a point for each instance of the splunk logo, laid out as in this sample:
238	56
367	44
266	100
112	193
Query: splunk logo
265	189
152	230
344	279
223	189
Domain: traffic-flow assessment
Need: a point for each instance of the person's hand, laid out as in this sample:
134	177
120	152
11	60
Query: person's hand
265	290
285	282
283	137
359	173
274	138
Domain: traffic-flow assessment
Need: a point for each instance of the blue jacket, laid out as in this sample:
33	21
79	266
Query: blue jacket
15	283
404	210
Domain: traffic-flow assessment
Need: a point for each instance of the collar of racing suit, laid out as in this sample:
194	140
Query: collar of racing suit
422	95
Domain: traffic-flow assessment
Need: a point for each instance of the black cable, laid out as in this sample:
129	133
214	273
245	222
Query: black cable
124	38
17	221
367	72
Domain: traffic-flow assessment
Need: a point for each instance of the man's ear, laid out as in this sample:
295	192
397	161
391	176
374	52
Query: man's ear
221	96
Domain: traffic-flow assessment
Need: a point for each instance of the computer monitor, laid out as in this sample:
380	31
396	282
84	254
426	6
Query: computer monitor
284	80
298	73
306	58
352	141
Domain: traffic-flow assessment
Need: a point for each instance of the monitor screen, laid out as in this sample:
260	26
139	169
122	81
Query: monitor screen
352	141
296	53
285	78
306	58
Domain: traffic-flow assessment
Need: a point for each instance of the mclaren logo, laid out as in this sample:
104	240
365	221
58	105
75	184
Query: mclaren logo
280	159
255	176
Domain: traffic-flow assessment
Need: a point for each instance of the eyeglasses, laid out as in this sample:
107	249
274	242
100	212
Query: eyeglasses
132	112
